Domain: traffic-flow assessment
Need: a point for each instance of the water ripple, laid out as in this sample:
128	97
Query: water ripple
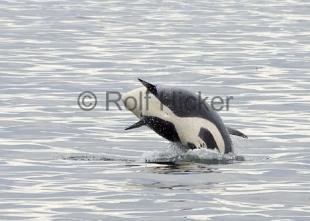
61	163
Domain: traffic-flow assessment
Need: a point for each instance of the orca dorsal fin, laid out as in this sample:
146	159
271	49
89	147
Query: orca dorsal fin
236	132
138	124
150	87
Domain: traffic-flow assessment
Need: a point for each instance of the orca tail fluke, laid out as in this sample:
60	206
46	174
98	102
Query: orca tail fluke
236	132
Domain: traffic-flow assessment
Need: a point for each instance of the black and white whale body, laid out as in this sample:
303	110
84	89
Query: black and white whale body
179	116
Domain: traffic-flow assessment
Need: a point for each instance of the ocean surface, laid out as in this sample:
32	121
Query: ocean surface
59	162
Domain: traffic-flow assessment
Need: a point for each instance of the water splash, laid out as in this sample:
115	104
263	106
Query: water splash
177	154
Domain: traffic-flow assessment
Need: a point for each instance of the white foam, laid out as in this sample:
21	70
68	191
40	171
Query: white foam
176	153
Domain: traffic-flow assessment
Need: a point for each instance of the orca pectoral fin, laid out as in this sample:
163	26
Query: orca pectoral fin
140	123
150	87
236	132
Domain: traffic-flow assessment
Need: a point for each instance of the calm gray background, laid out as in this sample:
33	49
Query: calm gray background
58	162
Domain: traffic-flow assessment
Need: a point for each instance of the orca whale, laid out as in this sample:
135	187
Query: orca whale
179	116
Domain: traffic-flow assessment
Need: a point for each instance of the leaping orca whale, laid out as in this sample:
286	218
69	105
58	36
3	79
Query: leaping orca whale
179	116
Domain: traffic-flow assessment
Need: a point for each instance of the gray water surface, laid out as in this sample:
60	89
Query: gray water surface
59	162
